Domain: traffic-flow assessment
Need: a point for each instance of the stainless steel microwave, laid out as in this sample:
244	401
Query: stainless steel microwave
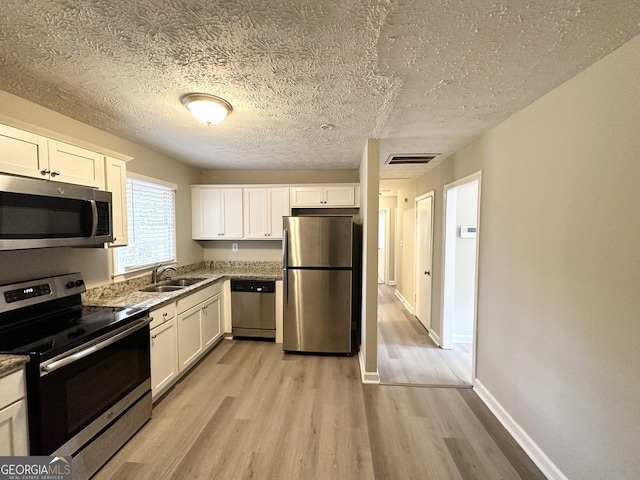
38	213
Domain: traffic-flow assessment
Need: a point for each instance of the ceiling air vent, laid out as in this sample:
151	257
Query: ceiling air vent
411	159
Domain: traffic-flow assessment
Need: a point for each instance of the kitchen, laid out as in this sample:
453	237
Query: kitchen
96	265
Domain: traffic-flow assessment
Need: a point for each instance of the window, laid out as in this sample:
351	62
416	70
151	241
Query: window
152	227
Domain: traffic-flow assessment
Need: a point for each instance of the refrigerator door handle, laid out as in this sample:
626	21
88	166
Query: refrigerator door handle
285	255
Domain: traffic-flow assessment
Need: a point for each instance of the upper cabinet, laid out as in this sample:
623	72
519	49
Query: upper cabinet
23	153
115	181
325	196
263	212
71	164
217	213
255	212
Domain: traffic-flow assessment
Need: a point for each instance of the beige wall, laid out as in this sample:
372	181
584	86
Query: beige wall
558	332
95	264
248	177
405	241
369	179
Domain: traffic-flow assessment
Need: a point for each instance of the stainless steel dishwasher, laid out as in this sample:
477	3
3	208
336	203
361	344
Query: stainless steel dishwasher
253	308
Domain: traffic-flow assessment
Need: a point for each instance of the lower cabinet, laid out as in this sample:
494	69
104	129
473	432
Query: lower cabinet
181	333
190	336
13	416
164	357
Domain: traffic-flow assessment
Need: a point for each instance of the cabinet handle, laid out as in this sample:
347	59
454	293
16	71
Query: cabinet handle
154	337
46	171
165	314
55	173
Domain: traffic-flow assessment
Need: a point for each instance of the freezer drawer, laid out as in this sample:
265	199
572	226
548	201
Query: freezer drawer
317	311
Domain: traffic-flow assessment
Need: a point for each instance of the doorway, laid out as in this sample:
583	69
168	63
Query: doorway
460	264
383	244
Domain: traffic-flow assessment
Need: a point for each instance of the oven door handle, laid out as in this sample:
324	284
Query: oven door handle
63	362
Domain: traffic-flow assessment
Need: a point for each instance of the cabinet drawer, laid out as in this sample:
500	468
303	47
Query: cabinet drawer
162	314
200	296
11	388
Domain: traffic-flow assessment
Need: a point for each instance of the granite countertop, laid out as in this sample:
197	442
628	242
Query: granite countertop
11	363
128	294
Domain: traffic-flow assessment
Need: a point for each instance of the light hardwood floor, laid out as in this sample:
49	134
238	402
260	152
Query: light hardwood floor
249	411
408	356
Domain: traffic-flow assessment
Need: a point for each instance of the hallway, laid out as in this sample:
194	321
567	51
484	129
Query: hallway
408	356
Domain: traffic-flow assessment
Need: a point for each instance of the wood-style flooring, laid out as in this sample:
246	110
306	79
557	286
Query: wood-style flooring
249	411
408	356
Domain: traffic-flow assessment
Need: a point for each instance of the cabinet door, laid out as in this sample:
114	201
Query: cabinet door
75	165
231	212
189	337
23	153
164	356
13	430
339	196
206	204
278	208
211	317
116	182
306	196
256	209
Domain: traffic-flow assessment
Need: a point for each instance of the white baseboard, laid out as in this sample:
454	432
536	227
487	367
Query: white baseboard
406	304
367	377
531	448
434	336
458	338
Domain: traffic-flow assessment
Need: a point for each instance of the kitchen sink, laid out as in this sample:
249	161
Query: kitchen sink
184	282
173	285
163	288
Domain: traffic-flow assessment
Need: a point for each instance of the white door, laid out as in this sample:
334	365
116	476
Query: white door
424	239
382	245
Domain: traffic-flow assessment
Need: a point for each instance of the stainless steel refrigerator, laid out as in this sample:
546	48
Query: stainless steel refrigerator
317	283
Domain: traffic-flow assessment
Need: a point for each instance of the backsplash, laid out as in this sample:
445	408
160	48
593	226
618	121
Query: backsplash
262	268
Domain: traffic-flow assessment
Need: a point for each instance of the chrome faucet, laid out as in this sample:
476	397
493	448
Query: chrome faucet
157	272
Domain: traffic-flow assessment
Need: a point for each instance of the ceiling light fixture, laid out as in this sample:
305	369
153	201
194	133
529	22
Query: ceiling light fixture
206	108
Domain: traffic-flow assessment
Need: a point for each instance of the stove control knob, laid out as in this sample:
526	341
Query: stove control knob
79	283
70	284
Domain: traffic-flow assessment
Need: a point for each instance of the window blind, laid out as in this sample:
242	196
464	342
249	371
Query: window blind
152	231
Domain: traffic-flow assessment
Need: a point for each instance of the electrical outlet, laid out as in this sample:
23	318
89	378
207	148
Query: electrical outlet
234	247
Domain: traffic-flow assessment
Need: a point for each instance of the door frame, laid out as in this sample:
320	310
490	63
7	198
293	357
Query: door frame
416	272
387	239
448	263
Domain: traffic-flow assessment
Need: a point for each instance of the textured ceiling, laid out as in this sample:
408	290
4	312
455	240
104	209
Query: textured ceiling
423	76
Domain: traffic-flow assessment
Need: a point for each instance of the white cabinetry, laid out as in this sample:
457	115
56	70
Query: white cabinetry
211	320
71	164
199	324
322	196
217	213
22	153
190	336
164	349
263	212
116	182
13	418
181	333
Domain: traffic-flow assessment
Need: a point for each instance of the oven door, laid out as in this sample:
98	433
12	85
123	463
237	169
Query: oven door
82	393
